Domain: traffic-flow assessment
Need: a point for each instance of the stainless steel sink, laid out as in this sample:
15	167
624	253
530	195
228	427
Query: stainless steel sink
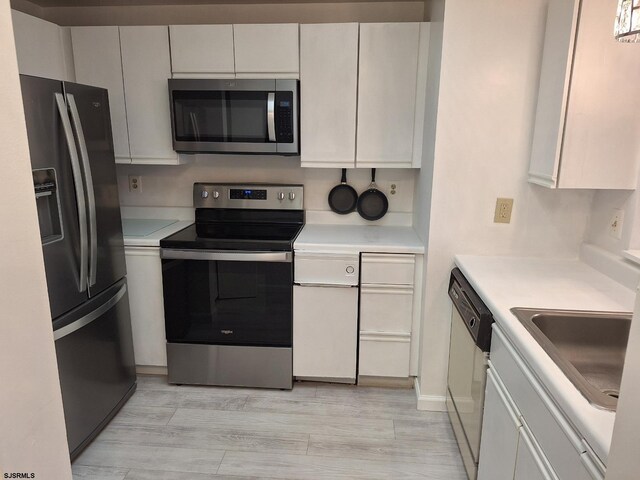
589	347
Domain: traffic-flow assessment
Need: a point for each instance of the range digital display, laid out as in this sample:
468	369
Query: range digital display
244	194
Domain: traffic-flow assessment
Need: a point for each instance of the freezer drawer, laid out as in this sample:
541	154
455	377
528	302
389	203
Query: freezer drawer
95	362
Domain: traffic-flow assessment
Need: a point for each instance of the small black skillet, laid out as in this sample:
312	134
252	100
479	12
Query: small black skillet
372	203
343	198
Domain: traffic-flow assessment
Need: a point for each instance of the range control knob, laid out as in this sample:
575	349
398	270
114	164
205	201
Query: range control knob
216	194
204	194
280	195
292	196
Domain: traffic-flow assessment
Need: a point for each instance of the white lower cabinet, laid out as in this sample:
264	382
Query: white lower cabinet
530	463
500	431
325	316
386	314
144	281
547	444
325	332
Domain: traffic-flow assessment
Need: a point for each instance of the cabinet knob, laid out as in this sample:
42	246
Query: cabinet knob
350	269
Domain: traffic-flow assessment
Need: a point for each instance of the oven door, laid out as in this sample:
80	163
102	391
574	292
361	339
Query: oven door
228	297
234	116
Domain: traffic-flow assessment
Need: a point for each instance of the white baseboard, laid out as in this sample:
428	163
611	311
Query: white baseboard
151	370
431	403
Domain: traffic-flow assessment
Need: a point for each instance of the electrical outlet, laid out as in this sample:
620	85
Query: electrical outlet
615	224
135	183
504	206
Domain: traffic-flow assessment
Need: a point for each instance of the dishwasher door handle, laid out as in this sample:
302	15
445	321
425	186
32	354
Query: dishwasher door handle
330	285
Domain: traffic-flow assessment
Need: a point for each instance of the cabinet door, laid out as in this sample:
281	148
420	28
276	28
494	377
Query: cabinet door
500	431
96	55
144	278
39	47
146	66
384	354
329	78
325	324
588	111
601	142
266	49
530	463
202	49
387	94
386	308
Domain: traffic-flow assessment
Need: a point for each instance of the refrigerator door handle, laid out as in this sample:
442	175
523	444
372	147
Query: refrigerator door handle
91	198
90	317
77	181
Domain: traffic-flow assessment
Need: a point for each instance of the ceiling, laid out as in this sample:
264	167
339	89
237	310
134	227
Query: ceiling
97	3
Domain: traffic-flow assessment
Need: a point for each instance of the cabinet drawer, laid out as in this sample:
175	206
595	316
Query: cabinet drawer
326	269
389	269
556	436
384	355
386	308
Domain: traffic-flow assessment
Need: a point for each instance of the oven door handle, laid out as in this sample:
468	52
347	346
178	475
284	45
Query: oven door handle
225	255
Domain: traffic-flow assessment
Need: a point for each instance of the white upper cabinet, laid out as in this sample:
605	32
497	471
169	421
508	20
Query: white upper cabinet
146	66
96	56
329	80
266	49
392	71
588	112
43	48
202	49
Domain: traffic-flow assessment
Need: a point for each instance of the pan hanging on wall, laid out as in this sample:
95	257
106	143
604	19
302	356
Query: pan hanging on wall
372	203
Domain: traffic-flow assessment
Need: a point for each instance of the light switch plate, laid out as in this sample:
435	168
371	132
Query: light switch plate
504	206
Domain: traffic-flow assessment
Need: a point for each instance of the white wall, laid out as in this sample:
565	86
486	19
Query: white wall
488	90
172	186
33	436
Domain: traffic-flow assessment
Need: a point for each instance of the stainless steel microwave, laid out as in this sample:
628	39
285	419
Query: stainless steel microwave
234	116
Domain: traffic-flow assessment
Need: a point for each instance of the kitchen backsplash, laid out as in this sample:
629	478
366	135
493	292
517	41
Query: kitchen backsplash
171	186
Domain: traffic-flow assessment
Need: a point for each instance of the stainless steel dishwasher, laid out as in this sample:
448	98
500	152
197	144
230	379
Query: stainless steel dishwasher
468	354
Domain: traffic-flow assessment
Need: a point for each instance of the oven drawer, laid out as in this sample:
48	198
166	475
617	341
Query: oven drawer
326	269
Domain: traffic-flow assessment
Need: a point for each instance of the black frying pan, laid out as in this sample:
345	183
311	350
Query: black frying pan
343	198
372	203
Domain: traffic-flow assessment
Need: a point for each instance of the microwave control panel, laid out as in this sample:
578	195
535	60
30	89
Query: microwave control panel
284	117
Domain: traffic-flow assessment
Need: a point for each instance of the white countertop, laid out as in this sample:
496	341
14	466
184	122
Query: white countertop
144	232
358	238
507	282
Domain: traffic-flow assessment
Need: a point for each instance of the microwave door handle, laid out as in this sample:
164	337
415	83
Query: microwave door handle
91	197
194	126
77	181
271	116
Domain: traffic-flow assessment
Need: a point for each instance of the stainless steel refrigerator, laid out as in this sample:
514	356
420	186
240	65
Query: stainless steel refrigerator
71	147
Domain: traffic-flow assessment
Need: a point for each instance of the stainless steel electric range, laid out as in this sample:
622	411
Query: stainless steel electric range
228	287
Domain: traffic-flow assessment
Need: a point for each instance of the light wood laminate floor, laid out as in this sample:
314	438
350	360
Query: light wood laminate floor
315	431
